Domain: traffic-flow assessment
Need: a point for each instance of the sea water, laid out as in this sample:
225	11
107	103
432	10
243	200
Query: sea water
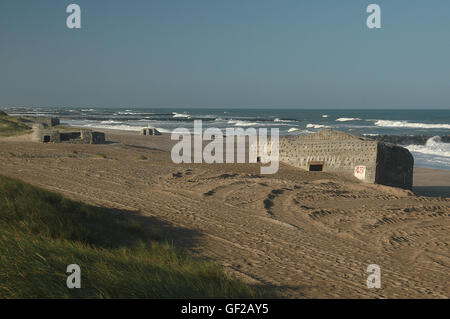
433	123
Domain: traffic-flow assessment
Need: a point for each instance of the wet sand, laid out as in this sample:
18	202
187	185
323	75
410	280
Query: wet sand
309	234
431	182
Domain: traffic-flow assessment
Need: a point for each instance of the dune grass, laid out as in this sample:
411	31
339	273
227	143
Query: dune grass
41	233
11	125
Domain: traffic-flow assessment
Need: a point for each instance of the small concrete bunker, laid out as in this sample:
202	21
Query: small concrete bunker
149	131
334	151
42	134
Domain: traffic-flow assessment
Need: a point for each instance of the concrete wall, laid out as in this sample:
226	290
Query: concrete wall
98	138
46	136
395	166
81	137
338	151
366	159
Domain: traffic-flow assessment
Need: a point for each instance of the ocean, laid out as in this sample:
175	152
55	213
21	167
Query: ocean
428	130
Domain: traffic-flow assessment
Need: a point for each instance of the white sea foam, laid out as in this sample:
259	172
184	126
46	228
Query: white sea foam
243	123
182	115
316	126
348	119
283	121
434	146
293	129
325	115
127	113
110	122
387	123
122	127
433	154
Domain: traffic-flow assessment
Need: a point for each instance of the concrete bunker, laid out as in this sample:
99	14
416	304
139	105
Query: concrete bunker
148	131
333	151
84	136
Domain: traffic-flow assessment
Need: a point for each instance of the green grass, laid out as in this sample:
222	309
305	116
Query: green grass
41	233
10	126
142	157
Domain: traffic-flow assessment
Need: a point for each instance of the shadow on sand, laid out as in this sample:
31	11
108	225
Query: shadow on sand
159	230
432	191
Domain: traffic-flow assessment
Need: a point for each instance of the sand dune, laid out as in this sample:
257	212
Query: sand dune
311	234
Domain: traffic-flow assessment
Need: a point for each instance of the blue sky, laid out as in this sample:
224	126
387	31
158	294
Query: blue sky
225	53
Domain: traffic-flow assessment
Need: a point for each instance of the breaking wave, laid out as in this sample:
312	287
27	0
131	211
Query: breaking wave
242	123
316	126
434	154
283	121
178	115
434	146
348	119
387	123
111	122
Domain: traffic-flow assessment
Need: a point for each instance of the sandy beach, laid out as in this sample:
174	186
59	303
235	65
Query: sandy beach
431	182
310	234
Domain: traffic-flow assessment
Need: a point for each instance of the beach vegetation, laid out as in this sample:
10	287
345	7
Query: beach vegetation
42	233
11	125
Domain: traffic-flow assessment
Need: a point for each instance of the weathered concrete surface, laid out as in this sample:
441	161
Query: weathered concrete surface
83	136
368	160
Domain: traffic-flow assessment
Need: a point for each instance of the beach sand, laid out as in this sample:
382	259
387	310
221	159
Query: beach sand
431	182
309	234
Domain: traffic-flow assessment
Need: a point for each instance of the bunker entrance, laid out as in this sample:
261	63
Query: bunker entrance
316	166
47	139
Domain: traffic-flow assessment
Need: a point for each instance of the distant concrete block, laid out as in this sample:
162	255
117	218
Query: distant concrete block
83	136
149	131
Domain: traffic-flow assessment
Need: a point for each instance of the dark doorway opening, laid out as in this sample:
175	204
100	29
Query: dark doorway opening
316	166
70	136
46	138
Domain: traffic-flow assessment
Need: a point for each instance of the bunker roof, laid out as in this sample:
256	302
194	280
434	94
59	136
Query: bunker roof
331	135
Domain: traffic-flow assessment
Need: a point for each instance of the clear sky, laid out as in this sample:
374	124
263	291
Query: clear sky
225	53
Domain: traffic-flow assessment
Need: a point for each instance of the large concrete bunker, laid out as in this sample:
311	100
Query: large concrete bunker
334	151
83	136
